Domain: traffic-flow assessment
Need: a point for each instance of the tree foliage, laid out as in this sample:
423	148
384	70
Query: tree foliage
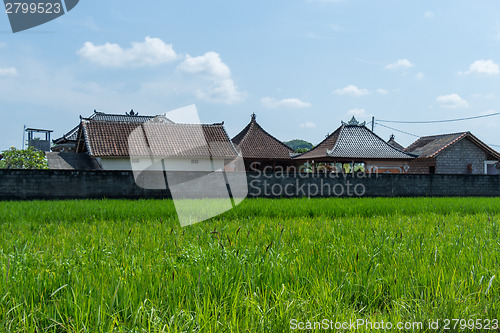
301	150
29	158
299	144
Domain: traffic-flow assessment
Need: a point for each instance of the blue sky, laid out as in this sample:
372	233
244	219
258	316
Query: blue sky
301	65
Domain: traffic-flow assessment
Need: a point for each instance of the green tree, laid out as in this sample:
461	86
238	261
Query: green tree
29	158
299	144
301	150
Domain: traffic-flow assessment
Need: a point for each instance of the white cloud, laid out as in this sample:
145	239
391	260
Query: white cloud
209	64
401	63
223	91
308	124
382	91
429	14
357	113
153	51
272	103
211	67
452	101
488	67
419	76
8	71
351	90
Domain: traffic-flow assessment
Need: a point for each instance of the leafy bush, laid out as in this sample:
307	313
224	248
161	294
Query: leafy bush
29	158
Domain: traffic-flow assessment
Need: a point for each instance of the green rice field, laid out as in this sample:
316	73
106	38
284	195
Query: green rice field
266	266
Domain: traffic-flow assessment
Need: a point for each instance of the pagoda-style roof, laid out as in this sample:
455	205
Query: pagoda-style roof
354	141
256	143
432	146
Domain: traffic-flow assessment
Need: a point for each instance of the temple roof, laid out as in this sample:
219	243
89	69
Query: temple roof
256	143
353	140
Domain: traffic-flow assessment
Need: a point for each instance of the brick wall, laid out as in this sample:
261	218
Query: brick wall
65	184
68	184
385	185
421	165
456	158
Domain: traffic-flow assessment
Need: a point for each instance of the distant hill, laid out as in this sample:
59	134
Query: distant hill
298	144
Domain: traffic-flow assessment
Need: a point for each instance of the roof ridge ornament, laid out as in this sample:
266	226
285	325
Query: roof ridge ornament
254	117
354	122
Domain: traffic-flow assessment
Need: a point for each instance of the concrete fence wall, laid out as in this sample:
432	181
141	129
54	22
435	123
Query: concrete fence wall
62	184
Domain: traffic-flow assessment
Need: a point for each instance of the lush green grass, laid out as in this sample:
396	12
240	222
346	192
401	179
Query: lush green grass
121	266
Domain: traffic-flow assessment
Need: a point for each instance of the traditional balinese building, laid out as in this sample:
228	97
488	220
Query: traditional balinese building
67	143
353	147
116	145
261	150
456	153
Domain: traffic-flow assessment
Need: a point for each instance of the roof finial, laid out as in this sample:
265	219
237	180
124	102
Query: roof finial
392	137
253	116
354	122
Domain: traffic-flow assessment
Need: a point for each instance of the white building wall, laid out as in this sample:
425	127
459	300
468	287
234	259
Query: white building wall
192	164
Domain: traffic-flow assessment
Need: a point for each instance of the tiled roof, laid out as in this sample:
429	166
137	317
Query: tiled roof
256	143
71	161
354	141
431	146
321	149
162	139
101	116
392	142
70	136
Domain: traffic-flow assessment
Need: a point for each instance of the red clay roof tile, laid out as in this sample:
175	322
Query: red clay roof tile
161	139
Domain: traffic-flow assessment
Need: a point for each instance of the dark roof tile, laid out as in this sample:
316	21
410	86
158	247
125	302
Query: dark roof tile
256	143
392	141
354	142
431	146
71	161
